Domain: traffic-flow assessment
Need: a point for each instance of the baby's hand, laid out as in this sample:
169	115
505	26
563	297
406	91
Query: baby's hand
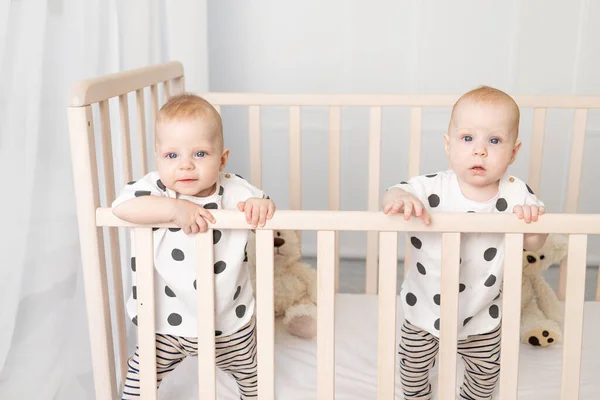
257	210
398	200
191	217
529	213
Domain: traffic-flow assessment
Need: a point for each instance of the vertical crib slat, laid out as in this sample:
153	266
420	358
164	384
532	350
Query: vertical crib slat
537	149
113	233
141	113
574	182
144	257
166	91
414	163
91	241
573	327
178	86
265	314
373	193
205	284
386	342
117	273
335	132
124	114
255	146
449	313
295	159
511	316
154	108
326	314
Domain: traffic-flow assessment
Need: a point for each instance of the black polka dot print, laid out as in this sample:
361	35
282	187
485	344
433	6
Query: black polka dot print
174	229
195	284
461	288
218	333
501	204
169	292
134	290
416	242
437	299
131	182
404	183
490	281
421	269
139	193
174	319
154	229
529	189
494	311
239	176
220	267
133	264
434	200
161	185
211	206
221	190
470	211
237	292
240	311
466	321
177	255
497	297
431	175
134	320
216	236
436	324
490	253
411	299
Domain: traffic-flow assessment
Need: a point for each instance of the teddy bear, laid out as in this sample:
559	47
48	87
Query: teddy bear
295	283
541	312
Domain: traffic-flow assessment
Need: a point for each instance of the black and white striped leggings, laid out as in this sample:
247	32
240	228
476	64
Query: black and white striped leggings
235	354
480	353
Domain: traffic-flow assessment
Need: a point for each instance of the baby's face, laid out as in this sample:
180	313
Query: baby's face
189	156
482	142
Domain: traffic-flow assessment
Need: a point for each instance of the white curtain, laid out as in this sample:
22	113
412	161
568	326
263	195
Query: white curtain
45	46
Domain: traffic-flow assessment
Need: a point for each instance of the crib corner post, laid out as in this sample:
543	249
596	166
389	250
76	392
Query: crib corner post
91	241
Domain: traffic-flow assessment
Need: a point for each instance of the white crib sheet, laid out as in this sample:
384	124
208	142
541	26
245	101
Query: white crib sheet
356	361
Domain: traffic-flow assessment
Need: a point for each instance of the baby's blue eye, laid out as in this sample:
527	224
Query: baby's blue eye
494	140
172	155
468	138
200	154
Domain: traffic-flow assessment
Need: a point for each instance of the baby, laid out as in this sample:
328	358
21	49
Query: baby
189	181
482	141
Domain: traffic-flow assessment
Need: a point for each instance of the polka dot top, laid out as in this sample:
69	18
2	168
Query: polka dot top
482	256
175	260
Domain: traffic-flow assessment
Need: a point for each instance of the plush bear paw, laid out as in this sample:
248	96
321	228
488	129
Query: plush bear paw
541	337
303	326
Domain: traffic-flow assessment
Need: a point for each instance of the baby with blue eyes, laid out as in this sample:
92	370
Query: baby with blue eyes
188	183
481	143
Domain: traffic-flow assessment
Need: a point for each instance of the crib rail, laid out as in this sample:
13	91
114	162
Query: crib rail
387	227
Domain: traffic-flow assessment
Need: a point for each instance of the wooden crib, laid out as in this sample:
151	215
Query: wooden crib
96	189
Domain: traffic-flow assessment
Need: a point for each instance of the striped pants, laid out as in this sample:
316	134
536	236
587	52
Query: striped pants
235	354
480	353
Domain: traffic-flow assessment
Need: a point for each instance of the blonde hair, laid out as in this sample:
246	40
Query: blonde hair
189	106
487	95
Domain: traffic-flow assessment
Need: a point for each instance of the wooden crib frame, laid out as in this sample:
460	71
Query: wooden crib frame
382	237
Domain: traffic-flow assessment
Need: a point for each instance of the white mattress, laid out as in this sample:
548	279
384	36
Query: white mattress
356	361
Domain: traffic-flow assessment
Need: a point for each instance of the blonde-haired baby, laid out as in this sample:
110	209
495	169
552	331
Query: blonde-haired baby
188	183
481	142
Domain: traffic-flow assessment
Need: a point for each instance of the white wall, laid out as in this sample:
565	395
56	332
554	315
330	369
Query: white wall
523	47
